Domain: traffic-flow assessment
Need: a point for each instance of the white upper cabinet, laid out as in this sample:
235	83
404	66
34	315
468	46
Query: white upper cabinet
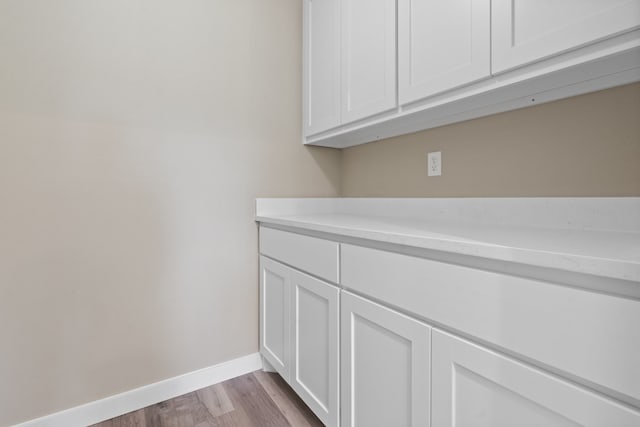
321	65
368	58
375	69
524	31
442	45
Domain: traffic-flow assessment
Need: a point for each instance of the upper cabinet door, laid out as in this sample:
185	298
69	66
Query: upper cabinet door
442	45
321	65
368	58
528	30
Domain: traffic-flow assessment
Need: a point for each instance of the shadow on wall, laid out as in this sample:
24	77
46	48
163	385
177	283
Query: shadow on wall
329	161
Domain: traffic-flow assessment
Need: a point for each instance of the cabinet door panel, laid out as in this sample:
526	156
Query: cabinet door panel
473	386
315	326
528	30
442	45
321	65
368	58
385	366
275	299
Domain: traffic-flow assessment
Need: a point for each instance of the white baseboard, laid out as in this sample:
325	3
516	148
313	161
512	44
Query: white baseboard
119	404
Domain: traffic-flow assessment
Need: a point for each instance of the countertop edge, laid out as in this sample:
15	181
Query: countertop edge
576	263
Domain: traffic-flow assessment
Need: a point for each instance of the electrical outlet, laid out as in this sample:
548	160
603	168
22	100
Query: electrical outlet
434	163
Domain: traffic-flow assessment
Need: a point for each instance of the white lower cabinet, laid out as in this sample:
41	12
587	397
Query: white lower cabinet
358	363
474	386
315	357
299	335
385	366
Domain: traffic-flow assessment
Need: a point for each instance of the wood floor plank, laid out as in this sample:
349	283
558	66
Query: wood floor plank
161	414
254	400
183	411
132	419
194	412
245	392
215	399
290	405
236	418
184	406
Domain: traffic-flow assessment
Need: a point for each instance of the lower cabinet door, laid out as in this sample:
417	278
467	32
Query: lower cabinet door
385	366
275	314
474	386
315	340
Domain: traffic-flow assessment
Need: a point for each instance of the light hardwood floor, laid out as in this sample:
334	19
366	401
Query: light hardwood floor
256	399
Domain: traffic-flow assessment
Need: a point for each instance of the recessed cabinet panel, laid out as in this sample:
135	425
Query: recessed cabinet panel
442	45
524	31
321	65
315	373
475	387
368	58
385	366
275	300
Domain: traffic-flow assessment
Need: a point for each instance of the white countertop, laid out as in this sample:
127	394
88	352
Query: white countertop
602	238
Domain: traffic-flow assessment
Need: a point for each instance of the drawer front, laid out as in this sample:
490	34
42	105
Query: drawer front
316	256
590	335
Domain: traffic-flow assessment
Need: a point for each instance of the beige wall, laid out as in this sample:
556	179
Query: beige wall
583	146
134	137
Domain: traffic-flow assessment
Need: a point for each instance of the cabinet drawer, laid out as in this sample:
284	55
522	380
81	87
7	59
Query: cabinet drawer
316	256
592	336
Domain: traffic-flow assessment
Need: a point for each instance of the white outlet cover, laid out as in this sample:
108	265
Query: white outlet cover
434	163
